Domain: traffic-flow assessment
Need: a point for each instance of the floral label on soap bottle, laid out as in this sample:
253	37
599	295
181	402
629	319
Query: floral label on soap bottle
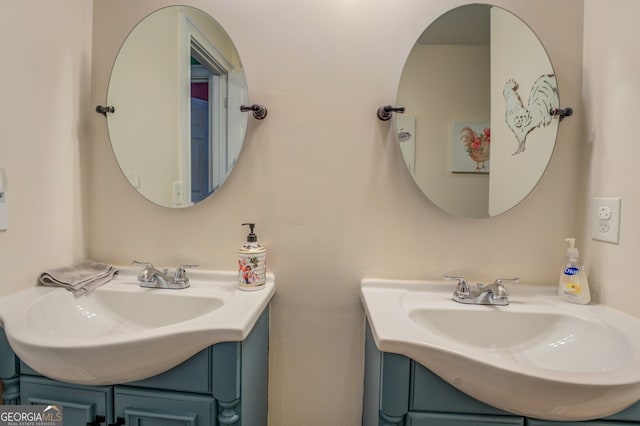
252	270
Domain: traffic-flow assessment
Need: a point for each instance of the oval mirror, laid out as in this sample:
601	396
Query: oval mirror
478	88
177	85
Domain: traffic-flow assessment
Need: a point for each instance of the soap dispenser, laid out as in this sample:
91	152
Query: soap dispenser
573	285
252	258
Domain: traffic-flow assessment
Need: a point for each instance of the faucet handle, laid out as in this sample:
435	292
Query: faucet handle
145	275
500	291
500	284
507	280
181	273
462	290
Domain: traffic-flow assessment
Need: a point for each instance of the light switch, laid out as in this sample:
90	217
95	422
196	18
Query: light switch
178	198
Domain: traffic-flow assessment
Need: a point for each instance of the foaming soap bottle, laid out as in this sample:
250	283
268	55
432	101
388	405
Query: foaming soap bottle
573	285
252	263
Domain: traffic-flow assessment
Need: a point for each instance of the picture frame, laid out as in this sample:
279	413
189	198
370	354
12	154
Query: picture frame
470	147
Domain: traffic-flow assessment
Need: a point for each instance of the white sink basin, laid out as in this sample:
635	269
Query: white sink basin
538	357
121	332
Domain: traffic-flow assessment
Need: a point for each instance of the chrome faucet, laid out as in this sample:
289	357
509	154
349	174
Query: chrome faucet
491	294
150	277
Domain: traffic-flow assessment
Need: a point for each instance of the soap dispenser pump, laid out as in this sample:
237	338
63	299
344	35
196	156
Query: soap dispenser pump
573	285
252	262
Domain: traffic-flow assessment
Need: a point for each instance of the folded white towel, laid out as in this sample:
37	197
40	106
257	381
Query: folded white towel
79	278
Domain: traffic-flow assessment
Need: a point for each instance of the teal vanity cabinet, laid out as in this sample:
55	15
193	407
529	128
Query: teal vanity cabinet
399	391
224	384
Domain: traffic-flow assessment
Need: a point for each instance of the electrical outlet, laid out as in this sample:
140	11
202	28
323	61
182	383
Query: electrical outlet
604	212
603	226
605	221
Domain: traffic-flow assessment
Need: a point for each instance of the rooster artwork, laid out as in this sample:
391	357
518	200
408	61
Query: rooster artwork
477	145
542	99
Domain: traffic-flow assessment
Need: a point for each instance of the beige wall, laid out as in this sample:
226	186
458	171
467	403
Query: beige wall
610	148
44	117
327	185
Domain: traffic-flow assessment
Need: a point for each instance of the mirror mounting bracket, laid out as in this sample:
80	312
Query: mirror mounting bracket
259	111
561	113
101	109
385	111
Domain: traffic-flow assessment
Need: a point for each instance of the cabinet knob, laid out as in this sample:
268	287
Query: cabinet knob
97	421
119	422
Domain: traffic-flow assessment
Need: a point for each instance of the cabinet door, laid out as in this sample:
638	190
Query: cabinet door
142	407
438	419
532	422
80	404
431	393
